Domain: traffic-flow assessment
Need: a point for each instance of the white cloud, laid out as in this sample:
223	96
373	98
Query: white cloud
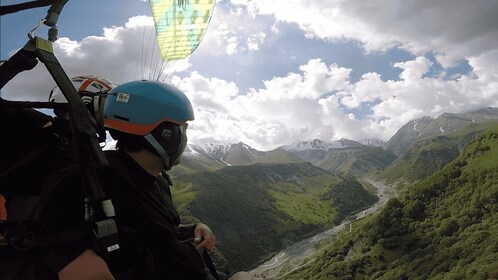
320	77
453	29
413	70
231	31
295	106
255	40
232	46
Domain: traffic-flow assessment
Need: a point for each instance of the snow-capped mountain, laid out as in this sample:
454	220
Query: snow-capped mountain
228	154
214	152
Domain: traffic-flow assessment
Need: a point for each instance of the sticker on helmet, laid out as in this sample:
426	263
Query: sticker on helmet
166	134
87	99
123	97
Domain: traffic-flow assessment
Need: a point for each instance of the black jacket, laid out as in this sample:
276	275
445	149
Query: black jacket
148	224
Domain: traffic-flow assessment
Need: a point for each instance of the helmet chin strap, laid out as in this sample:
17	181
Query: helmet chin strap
160	150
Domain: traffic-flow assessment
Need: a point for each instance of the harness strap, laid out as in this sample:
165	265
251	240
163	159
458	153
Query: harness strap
209	264
89	154
21	61
9	9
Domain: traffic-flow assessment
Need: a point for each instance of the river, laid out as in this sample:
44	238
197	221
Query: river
299	254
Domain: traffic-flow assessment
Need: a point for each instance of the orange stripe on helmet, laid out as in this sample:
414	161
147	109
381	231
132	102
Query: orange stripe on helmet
100	81
85	84
134	128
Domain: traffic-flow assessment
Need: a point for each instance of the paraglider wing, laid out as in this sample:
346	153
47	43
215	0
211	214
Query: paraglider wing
180	25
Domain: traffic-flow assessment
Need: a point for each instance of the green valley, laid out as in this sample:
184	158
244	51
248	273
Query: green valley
444	227
256	210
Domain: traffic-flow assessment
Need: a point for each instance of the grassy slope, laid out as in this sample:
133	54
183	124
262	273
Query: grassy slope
429	155
190	165
422	160
277	156
356	161
444	227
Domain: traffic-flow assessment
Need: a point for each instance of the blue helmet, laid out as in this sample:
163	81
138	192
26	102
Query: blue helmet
155	110
140	106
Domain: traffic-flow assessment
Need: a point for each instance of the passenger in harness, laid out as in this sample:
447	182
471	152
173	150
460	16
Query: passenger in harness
30	181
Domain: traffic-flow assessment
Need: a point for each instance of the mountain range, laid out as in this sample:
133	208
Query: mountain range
419	141
258	202
343	157
402	141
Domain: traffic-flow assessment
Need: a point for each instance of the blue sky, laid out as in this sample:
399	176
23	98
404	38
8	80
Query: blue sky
269	73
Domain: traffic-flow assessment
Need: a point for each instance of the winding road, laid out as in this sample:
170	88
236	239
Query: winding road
294	256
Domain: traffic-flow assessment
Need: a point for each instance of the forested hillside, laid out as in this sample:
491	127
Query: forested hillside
348	196
445	227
